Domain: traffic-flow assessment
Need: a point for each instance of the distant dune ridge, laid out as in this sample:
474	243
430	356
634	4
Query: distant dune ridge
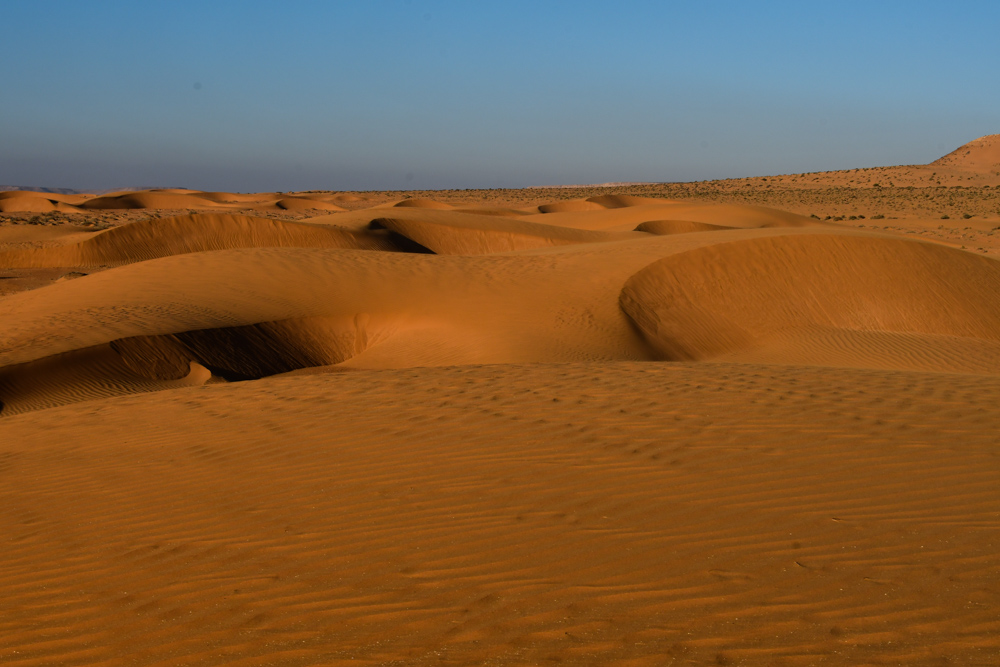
13	201
607	430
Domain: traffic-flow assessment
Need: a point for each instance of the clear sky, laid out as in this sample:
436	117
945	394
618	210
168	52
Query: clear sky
397	94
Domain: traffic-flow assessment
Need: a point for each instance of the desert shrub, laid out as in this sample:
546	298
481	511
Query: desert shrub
946	217
966	216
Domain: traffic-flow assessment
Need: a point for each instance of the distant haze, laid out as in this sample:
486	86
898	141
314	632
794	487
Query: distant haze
253	96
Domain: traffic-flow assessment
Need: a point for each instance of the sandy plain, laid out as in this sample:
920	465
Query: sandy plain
747	422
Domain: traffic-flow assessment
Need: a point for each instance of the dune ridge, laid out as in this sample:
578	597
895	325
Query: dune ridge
725	297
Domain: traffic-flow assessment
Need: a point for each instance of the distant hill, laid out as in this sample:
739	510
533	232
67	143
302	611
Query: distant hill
982	155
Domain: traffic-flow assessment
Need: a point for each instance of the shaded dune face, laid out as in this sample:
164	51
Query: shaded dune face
423	203
191	358
723	298
665	227
252	351
222	297
476	234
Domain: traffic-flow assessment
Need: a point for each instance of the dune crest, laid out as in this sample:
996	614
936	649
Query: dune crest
423	203
472	234
666	227
150	199
726	297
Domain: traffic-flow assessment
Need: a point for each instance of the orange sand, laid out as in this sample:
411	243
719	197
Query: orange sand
605	430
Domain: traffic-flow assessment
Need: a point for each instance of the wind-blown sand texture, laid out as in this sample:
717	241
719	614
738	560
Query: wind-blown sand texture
610	430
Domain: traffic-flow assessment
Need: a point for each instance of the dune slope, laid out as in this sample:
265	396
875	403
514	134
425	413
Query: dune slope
730	296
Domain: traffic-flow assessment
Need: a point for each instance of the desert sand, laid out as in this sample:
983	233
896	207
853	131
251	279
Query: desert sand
747	422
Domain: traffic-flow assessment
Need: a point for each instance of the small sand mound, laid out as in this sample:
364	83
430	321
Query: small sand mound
667	227
303	204
230	197
572	206
26	205
315	196
641	210
624	201
500	212
723	298
154	238
422	203
16	194
470	234
150	199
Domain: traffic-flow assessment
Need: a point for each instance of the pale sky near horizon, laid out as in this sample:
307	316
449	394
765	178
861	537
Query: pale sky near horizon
397	94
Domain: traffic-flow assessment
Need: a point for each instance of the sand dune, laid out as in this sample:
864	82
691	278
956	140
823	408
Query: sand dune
51	196
27	204
551	294
300	204
191	233
571	206
622	216
473	234
626	299
33	204
422	203
234	197
150	199
722	298
606	430
83	375
663	227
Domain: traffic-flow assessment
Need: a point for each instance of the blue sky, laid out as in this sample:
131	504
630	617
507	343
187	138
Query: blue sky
395	94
